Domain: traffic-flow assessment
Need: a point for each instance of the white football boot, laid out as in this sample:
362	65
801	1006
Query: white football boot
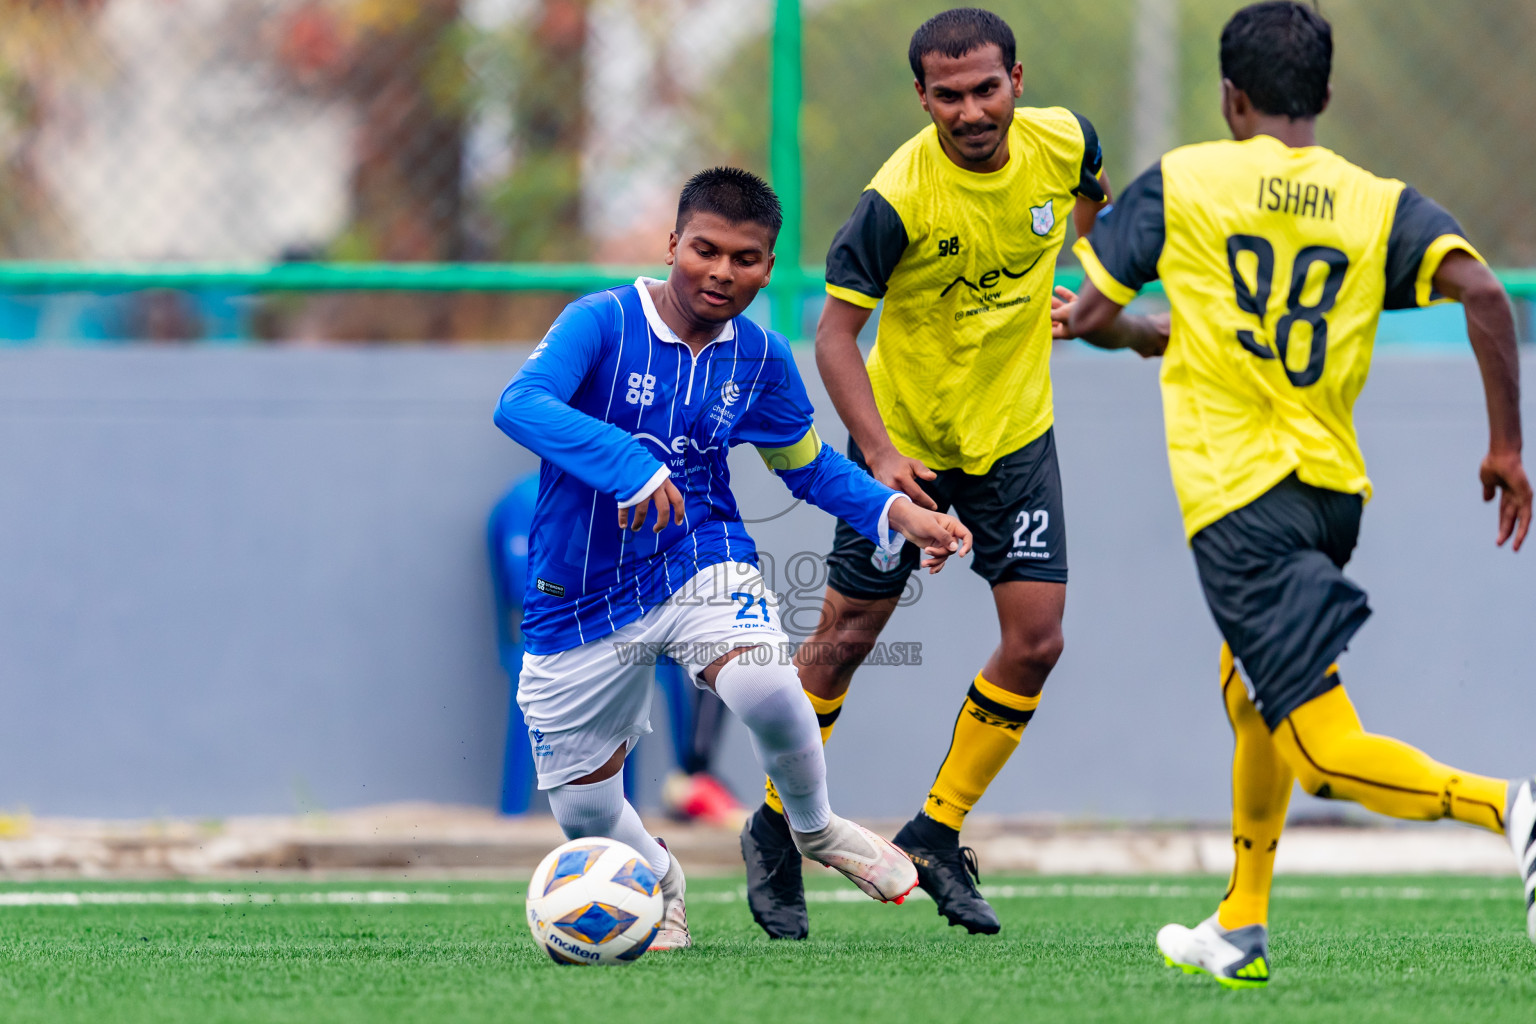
1237	959
871	862
673	933
1520	830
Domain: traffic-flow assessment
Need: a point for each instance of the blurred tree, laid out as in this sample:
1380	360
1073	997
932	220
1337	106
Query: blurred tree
398	64
860	104
1428	91
1439	94
1431	92
42	45
537	208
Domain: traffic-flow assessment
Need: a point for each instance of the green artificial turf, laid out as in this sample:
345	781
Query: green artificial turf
1356	950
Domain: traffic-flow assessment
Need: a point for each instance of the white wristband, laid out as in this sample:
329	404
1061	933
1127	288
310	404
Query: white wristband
889	539
650	485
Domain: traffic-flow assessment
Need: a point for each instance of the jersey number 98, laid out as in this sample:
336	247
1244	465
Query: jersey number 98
1256	302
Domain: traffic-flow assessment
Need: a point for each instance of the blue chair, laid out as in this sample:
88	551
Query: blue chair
507	539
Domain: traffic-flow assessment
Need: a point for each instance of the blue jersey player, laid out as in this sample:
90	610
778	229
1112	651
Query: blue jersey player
632	401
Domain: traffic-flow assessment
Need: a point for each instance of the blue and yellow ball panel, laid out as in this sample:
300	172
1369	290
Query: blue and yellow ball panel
595	923
638	876
571	865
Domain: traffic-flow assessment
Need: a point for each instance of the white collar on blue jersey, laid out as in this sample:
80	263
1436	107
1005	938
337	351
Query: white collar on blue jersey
658	325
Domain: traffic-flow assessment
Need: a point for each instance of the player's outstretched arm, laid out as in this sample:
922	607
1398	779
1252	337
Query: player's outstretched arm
939	535
1102	323
1491	329
842	370
814	472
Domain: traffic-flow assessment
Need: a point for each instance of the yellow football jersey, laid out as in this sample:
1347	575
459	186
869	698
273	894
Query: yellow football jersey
1278	263
965	263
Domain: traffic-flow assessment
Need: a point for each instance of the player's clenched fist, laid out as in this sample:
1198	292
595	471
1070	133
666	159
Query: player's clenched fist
937	534
668	501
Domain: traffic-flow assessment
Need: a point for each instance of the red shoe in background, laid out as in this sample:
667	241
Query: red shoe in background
703	798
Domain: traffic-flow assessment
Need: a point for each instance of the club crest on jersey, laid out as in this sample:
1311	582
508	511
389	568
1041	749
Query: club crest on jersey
884	560
641	389
1042	218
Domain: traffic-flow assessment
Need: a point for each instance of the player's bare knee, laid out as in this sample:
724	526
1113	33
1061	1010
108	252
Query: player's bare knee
1034	655
831	658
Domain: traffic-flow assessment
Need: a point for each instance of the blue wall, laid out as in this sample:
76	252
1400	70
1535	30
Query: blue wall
242	580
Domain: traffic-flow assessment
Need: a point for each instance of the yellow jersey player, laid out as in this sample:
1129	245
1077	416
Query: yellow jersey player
1278	257
958	233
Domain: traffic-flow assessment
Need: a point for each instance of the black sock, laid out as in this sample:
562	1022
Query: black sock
776	823
932	834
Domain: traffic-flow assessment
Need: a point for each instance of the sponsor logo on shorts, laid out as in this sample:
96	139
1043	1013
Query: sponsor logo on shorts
543	586
540	748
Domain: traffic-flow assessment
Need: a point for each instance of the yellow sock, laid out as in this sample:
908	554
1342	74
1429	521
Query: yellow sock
827	710
987	731
1261	792
1333	756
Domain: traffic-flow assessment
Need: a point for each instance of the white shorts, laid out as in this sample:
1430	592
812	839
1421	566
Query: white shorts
581	704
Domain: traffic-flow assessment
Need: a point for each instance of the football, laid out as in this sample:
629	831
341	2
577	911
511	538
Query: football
594	901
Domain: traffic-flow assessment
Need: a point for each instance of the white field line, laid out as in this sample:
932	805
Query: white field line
1154	891
387	897
110	898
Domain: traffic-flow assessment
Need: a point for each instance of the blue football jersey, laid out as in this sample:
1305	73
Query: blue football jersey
613	402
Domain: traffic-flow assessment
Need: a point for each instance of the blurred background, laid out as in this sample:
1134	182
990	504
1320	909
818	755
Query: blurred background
265	266
382	131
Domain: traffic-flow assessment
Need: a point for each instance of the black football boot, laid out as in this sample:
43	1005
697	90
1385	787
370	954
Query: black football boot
775	890
948	872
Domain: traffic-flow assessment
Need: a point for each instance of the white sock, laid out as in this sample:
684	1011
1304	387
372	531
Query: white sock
599	809
770	703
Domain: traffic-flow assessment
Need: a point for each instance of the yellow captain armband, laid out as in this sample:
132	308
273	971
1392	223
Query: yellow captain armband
802	453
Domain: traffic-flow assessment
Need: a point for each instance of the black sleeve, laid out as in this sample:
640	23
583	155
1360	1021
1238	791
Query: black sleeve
1419	221
1093	162
867	248
1128	237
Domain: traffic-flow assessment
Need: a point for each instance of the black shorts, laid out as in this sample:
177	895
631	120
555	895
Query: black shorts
1273	575
1013	511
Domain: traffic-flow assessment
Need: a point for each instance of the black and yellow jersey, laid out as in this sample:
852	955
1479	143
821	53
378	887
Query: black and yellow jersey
965	263
1277	263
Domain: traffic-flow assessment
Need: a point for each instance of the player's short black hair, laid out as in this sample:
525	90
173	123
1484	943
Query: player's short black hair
739	196
1280	53
957	32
